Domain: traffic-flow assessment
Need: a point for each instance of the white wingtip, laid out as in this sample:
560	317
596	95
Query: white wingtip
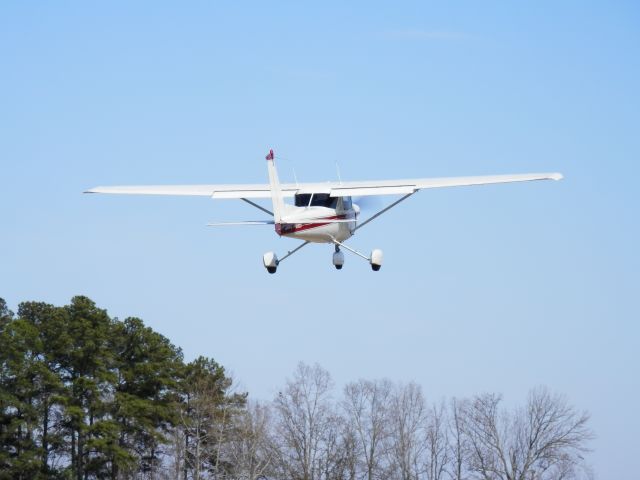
556	176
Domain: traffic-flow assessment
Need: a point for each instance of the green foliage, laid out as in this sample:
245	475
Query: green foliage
83	395
208	411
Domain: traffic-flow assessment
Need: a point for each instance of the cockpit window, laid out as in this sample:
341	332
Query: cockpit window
315	200
302	199
323	200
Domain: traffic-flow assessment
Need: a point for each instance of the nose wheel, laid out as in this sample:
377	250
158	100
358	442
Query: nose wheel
338	258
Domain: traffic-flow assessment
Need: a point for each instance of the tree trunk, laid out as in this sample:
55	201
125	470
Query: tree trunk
74	457
186	452
45	437
79	472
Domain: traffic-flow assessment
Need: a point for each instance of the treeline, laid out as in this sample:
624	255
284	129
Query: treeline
85	396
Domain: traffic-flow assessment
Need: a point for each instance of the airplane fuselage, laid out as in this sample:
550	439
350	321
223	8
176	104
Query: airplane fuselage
317	223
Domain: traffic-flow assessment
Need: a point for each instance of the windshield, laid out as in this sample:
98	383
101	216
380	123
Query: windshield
323	200
302	199
315	200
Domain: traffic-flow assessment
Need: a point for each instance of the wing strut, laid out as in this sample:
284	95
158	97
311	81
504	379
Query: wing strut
384	210
291	252
259	207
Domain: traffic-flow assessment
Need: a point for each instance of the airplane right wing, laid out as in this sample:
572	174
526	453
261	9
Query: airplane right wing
403	187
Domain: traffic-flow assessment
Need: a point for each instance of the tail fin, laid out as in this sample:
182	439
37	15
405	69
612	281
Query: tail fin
276	193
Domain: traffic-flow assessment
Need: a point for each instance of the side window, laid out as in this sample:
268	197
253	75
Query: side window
319	199
347	203
302	200
324	200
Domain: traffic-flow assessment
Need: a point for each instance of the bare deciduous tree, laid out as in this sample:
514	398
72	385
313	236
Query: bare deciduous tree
437	443
250	450
458	446
390	432
366	404
305	420
338	455
545	440
407	428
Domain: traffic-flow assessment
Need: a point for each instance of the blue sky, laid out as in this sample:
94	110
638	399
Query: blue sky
498	288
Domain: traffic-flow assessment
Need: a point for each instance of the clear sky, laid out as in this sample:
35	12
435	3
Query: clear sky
497	288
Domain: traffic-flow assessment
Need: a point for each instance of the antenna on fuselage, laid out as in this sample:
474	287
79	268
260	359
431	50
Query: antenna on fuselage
295	177
338	172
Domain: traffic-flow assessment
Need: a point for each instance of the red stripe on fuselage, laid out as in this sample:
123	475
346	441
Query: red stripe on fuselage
299	227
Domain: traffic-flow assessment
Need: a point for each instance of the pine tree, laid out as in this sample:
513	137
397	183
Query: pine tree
87	370
208	410
145	402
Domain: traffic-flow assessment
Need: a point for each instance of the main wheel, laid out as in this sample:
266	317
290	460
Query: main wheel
338	259
376	260
270	262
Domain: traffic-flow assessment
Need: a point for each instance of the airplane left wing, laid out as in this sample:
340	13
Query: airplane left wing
335	189
213	191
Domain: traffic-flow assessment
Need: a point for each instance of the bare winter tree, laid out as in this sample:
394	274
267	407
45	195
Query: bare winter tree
338	458
543	441
366	404
438	452
175	454
458	446
304	424
250	450
407	421
346	462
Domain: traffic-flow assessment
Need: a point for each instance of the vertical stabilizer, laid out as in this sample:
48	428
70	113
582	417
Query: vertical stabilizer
276	192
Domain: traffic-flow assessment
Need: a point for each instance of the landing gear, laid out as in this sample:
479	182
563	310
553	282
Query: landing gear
375	259
338	258
270	261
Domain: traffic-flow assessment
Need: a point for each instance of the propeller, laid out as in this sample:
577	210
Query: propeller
368	203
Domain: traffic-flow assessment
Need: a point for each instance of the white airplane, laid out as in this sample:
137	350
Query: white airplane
322	212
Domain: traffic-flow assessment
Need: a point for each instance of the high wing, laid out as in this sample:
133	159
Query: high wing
213	191
335	189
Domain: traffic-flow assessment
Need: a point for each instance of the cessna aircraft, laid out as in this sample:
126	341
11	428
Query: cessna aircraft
322	212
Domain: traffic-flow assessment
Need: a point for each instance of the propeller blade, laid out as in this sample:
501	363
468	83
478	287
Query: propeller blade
368	202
